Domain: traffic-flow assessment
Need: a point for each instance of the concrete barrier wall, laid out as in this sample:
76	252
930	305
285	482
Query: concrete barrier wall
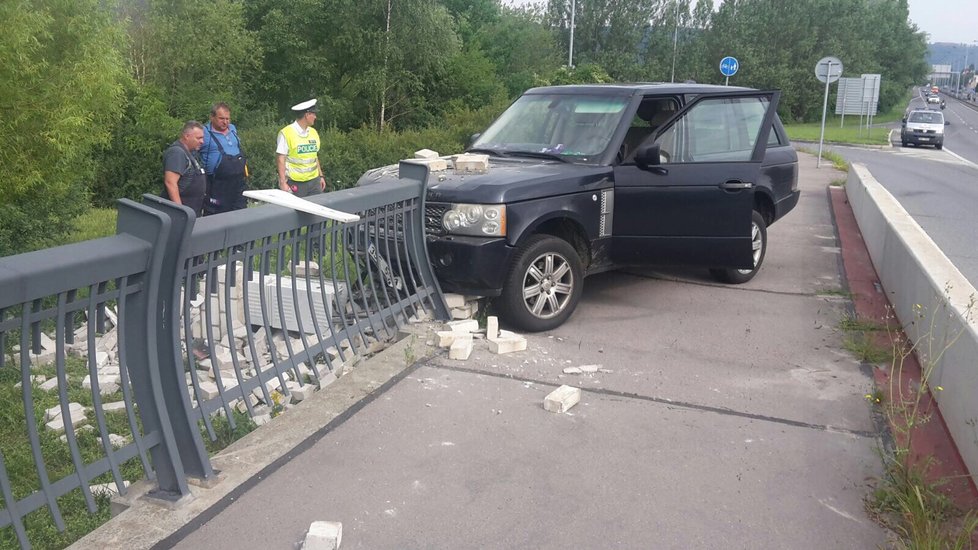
931	298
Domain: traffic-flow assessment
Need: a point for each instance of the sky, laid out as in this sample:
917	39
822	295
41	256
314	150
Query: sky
946	20
943	20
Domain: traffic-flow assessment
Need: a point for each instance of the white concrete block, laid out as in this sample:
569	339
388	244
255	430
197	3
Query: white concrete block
74	409
425	154
562	399
461	312
114	406
447	337
507	344
262	419
307	269
208	390
476	164
468	325
492	327
49	385
323	535
117	440
461	348
300	393
435	165
454	300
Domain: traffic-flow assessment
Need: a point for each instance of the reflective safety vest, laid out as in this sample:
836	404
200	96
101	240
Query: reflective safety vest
300	163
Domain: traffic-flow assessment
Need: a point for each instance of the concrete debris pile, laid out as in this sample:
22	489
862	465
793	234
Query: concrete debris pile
459	337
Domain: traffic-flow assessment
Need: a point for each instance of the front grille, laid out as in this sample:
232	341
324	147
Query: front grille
433	214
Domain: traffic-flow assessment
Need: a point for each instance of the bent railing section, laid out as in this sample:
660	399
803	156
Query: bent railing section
178	329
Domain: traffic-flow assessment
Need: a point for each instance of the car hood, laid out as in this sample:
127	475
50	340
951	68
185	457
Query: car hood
506	181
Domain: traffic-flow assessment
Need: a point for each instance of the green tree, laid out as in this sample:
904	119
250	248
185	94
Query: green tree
61	90
520	47
183	56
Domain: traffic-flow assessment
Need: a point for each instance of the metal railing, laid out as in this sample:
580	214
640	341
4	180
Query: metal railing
182	323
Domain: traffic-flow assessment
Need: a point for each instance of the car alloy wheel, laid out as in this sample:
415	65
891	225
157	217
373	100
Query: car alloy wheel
544	284
758	243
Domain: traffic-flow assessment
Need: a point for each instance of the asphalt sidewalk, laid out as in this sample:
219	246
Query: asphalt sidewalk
725	416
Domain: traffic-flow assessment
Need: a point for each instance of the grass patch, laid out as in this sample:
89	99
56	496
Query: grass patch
838	161
834	133
95	223
835	292
841	182
864	349
851	324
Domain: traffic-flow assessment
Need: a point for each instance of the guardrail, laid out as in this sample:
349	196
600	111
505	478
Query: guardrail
183	328
931	298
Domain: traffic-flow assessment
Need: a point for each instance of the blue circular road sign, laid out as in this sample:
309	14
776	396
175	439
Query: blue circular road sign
729	66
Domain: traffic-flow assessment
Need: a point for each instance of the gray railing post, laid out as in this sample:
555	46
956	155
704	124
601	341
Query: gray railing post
141	348
190	444
414	234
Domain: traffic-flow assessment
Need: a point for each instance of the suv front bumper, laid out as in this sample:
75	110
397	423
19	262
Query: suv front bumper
474	266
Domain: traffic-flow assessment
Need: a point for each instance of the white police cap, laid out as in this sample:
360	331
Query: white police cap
305	106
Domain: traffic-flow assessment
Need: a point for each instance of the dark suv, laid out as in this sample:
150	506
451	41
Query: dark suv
584	179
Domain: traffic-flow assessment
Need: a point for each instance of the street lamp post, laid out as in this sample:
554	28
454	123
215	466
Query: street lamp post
570	53
675	43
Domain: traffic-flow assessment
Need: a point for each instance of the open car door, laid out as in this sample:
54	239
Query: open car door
685	196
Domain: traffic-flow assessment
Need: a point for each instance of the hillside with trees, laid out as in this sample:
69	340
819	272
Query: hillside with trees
92	91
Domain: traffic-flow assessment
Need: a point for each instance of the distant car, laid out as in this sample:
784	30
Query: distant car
923	127
584	179
933	99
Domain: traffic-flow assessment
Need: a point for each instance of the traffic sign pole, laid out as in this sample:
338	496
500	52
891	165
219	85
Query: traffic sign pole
825	106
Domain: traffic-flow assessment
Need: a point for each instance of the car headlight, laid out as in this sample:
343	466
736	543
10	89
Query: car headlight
478	220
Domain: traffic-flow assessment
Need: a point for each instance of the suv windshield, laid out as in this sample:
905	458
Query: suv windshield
571	127
927	117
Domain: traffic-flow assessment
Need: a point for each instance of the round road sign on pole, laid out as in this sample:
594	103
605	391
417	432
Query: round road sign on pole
829	68
729	66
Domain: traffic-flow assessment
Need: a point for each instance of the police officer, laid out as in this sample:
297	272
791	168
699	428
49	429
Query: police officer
184	180
297	151
224	163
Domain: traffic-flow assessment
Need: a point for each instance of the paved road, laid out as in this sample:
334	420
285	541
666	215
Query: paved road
938	188
961	136
730	416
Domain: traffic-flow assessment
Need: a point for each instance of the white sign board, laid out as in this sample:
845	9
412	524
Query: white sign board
288	200
849	97
871	87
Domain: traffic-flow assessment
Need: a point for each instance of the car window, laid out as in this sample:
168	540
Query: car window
715	130
576	127
927	117
652	113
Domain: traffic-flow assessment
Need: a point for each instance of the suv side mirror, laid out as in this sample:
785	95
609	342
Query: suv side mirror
647	156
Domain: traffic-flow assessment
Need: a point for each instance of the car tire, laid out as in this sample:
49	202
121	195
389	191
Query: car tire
903	143
939	146
759	246
543	285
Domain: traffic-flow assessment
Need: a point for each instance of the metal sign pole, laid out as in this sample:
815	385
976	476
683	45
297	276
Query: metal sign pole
825	106
727	81
844	91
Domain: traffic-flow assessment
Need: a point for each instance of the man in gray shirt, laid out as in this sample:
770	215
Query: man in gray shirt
184	179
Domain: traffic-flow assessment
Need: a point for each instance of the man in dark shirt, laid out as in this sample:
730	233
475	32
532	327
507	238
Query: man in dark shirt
184	180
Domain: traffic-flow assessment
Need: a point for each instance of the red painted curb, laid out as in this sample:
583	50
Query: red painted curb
930	441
